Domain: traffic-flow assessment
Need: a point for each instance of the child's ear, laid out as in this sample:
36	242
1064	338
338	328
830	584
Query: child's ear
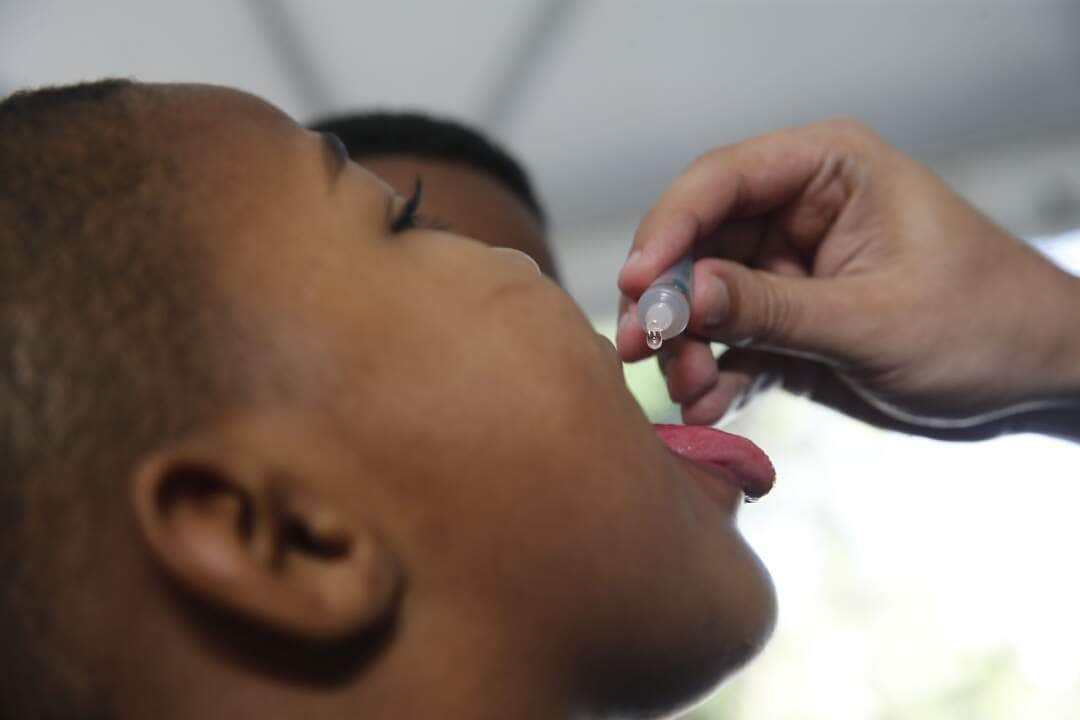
235	518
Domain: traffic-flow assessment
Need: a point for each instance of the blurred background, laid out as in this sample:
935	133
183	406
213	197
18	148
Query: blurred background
917	579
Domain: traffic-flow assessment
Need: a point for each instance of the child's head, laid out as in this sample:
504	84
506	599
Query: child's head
268	449
471	185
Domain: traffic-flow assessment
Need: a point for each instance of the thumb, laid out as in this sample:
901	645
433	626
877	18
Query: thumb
742	306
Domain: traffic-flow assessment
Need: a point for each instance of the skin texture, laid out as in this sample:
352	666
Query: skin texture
446	511
468	202
839	266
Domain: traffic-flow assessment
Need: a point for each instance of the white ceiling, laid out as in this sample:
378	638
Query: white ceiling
604	100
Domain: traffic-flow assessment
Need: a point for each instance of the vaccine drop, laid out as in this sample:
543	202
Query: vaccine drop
664	308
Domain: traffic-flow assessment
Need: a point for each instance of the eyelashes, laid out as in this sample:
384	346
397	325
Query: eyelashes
408	218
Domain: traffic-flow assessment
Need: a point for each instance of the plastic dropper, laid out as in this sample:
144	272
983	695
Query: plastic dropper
664	308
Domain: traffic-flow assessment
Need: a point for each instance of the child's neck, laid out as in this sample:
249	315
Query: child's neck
468	670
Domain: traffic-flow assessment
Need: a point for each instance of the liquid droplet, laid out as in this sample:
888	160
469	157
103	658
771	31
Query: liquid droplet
654	339
751	499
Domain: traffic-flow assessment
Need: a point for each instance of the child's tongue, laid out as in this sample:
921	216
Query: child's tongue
707	445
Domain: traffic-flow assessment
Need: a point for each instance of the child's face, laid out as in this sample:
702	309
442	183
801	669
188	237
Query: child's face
500	452
469	202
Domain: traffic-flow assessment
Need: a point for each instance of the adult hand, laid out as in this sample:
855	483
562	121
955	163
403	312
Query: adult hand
828	258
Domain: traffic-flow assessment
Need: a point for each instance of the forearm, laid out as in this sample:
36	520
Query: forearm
1045	377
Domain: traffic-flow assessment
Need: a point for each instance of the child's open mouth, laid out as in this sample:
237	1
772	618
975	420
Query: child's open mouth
745	460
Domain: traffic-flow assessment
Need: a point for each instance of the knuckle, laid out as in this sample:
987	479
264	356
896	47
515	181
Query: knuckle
707	163
846	125
851	133
702	160
779	316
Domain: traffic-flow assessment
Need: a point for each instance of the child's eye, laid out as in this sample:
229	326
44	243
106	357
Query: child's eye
407	218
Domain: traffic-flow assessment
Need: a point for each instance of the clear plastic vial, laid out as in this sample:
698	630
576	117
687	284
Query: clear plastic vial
664	308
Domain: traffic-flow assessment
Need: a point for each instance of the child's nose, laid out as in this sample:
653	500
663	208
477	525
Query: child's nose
518	256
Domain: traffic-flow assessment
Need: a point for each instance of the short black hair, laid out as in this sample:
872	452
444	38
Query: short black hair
371	134
106	315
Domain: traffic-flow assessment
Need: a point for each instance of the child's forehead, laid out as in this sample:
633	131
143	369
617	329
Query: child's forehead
228	142
204	114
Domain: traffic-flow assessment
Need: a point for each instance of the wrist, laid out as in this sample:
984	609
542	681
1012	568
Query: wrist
1072	358
1063	372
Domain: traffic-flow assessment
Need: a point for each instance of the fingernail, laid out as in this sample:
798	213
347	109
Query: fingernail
632	259
717	302
625	321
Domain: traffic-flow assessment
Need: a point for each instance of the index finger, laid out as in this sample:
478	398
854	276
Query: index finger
737	181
